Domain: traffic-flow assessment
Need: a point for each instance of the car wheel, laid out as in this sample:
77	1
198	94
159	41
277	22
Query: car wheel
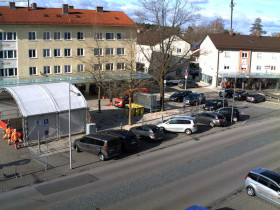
251	191
263	99
77	149
101	157
188	131
212	124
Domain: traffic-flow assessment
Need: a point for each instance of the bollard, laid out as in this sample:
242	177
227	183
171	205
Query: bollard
142	122
121	125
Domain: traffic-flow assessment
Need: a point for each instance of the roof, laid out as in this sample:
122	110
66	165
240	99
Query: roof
151	38
245	42
41	99
54	16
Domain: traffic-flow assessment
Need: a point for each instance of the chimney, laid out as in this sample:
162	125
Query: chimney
65	9
34	6
231	32
258	34
71	7
99	9
12	5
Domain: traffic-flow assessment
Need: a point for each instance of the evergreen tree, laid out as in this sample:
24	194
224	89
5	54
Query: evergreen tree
257	27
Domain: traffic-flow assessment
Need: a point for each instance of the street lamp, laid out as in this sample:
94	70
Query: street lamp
70	143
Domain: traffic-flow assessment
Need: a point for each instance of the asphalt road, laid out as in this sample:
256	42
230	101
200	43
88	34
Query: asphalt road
175	177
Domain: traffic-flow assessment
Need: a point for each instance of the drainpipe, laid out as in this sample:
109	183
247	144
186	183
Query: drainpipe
218	62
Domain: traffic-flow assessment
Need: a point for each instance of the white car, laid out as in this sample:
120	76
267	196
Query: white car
179	124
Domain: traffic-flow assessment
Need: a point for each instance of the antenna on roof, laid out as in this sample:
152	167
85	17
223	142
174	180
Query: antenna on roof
231	6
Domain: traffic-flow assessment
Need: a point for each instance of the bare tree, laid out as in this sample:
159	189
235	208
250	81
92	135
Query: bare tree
169	17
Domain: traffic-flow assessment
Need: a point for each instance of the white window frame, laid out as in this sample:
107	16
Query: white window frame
54	69
45	54
66	68
54	36
97	37
6	72
79	69
46	38
47	73
111	66
122	66
244	55
79	50
4	36
70	52
4	54
110	33
96	65
67	32
32	68
99	50
35	36
35	50
83	34
122	51
57	50
121	34
111	51
258	67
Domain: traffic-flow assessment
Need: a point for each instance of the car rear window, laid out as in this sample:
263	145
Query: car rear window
220	117
253	176
114	143
156	129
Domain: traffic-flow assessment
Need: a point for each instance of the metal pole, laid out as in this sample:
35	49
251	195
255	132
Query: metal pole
224	91
233	99
39	150
70	143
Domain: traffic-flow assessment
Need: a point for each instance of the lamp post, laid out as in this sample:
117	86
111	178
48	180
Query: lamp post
233	99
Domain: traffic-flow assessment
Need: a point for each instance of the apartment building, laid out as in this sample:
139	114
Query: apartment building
39	45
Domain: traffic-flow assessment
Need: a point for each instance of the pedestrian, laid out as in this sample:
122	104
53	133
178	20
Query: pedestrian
15	138
9	135
6	131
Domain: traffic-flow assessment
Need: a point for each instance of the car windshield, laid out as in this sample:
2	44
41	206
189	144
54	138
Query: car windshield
123	97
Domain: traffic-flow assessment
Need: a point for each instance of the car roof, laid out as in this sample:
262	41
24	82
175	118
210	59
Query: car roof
267	173
182	118
102	136
120	132
149	126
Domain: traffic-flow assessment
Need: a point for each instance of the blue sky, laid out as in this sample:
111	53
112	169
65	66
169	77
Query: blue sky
245	11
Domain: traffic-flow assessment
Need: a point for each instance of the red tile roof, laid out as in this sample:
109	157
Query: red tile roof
54	16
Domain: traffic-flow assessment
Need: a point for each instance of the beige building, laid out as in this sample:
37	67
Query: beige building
39	45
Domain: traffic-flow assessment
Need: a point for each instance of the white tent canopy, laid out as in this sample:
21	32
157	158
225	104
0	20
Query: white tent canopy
46	98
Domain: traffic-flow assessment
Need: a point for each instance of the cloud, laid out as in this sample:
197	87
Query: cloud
198	1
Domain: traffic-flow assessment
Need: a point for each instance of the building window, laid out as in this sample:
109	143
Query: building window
57	69
8	54
81	67
67	69
227	54
110	36
46	53
259	68
46	36
273	67
179	50
32	36
109	51
244	67
259	55
226	67
80	36
98	36
8	36
32	70
67	36
80	52
120	36
57	35
120	51
109	66
10	72
97	67
244	55
32	53
57	52
67	52
120	66
97	51
46	70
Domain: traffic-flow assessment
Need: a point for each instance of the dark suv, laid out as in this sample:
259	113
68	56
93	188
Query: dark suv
102	144
195	98
179	95
128	139
227	111
211	118
214	104
228	93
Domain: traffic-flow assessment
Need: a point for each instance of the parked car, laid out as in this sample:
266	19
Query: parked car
255	98
194	98
190	84
148	131
179	124
214	104
211	118
241	95
263	183
179	95
171	81
228	93
129	141
102	144
227	111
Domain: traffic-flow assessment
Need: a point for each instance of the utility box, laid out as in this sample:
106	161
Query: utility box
91	128
147	100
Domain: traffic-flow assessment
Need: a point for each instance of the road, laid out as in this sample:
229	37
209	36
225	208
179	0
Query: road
175	177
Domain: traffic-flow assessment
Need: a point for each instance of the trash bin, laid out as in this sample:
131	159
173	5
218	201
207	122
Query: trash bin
137	110
141	110
132	109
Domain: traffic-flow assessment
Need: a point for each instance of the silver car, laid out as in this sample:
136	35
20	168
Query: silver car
263	183
179	124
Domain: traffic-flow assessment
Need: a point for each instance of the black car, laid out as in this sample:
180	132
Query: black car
179	95
228	93
240	95
214	104
194	99
128	139
227	111
102	144
211	118
148	131
255	98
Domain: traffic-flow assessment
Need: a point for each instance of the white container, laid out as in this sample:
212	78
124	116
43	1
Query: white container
91	128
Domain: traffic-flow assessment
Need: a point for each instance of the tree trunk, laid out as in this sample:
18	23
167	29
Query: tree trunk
99	99
161	94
